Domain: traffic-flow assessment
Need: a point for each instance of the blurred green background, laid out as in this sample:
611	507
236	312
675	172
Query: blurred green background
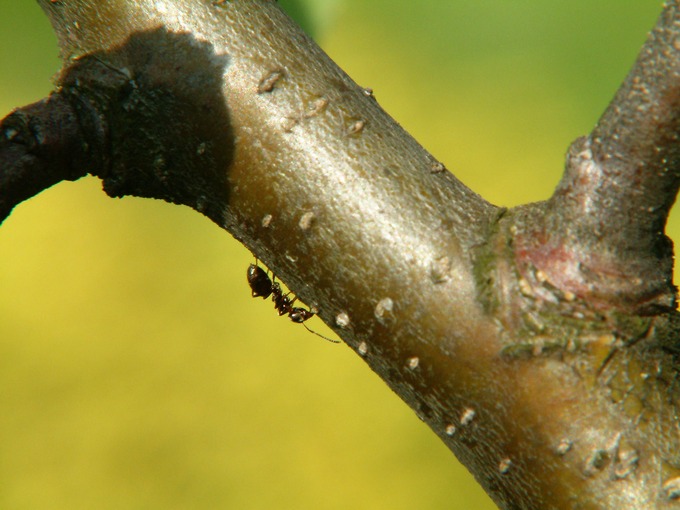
135	370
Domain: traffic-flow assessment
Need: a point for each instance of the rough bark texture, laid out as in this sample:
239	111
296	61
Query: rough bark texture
538	343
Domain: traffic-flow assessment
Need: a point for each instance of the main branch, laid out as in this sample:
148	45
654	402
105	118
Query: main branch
538	343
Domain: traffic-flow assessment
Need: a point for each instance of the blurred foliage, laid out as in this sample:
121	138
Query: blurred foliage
136	370
297	10
314	16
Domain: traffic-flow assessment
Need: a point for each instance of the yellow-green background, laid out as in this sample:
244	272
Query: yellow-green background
135	370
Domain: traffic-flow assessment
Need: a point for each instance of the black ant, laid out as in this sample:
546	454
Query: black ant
262	286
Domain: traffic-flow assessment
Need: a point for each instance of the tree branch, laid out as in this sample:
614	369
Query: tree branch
553	380
603	234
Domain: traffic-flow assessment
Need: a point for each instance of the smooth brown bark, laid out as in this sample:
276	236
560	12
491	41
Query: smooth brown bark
538	343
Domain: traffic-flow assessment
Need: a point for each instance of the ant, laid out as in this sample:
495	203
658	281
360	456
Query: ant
262	286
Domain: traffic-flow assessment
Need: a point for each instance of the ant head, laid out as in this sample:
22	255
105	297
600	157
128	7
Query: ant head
300	315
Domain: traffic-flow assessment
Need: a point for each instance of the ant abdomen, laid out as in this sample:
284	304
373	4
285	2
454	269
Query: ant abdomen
260	284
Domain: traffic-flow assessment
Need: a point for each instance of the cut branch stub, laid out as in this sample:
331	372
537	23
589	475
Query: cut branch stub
169	131
40	145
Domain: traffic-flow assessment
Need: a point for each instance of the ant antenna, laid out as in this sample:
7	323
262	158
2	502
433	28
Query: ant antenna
320	335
